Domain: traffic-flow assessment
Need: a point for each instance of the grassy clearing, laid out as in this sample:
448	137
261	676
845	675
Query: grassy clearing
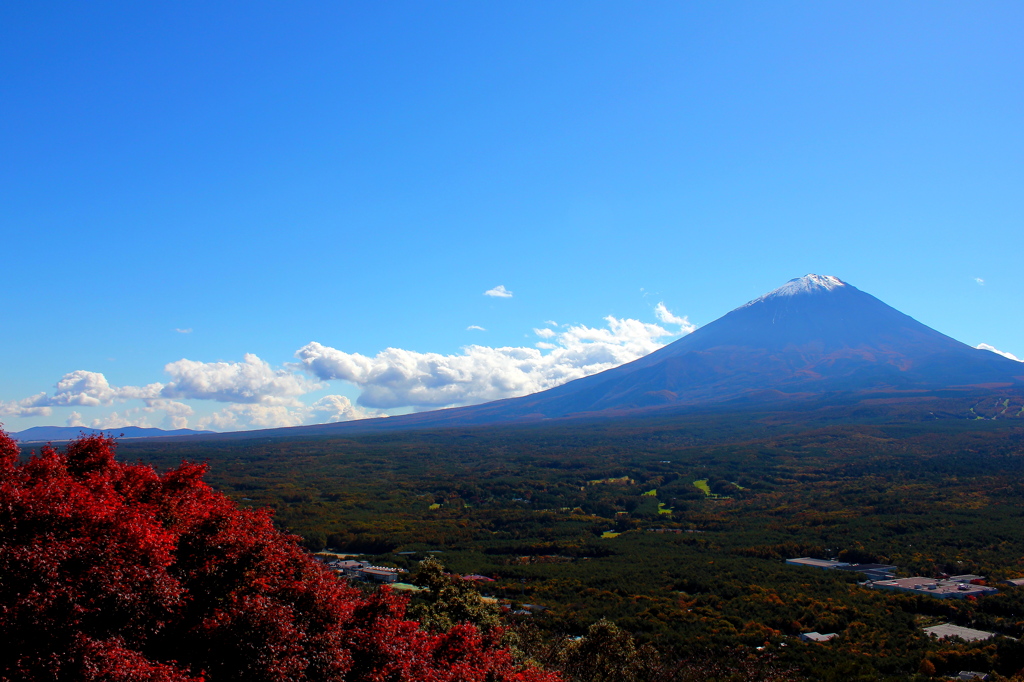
702	485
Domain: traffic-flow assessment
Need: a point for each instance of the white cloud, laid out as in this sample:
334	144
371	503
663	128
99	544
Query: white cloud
184	331
176	414
475	327
401	378
87	389
32	406
90	389
251	381
114	421
330	408
551	323
980	281
985	346
499	292
240	416
258	395
338	408
663	314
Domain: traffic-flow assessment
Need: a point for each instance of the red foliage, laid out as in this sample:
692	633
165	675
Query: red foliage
109	571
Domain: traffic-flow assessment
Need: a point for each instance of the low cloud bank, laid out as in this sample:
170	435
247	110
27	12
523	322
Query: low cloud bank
401	378
258	395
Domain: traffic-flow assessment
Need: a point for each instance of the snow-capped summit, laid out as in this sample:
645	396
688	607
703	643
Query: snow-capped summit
808	284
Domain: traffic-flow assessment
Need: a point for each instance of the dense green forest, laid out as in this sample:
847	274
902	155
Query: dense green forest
677	529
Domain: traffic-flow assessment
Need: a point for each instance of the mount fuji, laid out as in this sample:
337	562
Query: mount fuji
813	335
815	338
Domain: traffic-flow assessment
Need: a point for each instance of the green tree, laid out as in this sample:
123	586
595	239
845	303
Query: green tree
608	654
451	600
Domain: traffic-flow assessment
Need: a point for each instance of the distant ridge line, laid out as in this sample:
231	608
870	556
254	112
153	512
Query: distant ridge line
45	434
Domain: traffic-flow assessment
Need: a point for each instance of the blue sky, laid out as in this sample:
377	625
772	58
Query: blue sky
194	193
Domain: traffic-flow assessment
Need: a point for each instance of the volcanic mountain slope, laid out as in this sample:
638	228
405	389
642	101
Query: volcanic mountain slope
814	338
814	335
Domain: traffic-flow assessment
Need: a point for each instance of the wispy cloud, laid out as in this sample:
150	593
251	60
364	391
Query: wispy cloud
545	333
664	315
475	327
499	292
184	331
985	346
980	281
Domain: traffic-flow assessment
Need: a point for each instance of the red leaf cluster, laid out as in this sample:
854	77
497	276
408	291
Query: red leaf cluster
110	571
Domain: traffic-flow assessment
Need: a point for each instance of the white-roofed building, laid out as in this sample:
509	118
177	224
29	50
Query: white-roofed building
947	630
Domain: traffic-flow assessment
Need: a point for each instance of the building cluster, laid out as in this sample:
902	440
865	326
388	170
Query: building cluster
360	570
386	575
955	587
883	577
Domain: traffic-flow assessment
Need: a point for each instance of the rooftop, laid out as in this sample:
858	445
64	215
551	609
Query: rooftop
867	567
942	589
816	563
967	634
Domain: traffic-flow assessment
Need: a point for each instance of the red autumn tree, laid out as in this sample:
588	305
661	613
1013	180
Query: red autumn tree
110	571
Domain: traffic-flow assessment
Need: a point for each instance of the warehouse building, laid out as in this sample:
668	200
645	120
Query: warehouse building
816	563
940	589
871	571
948	630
